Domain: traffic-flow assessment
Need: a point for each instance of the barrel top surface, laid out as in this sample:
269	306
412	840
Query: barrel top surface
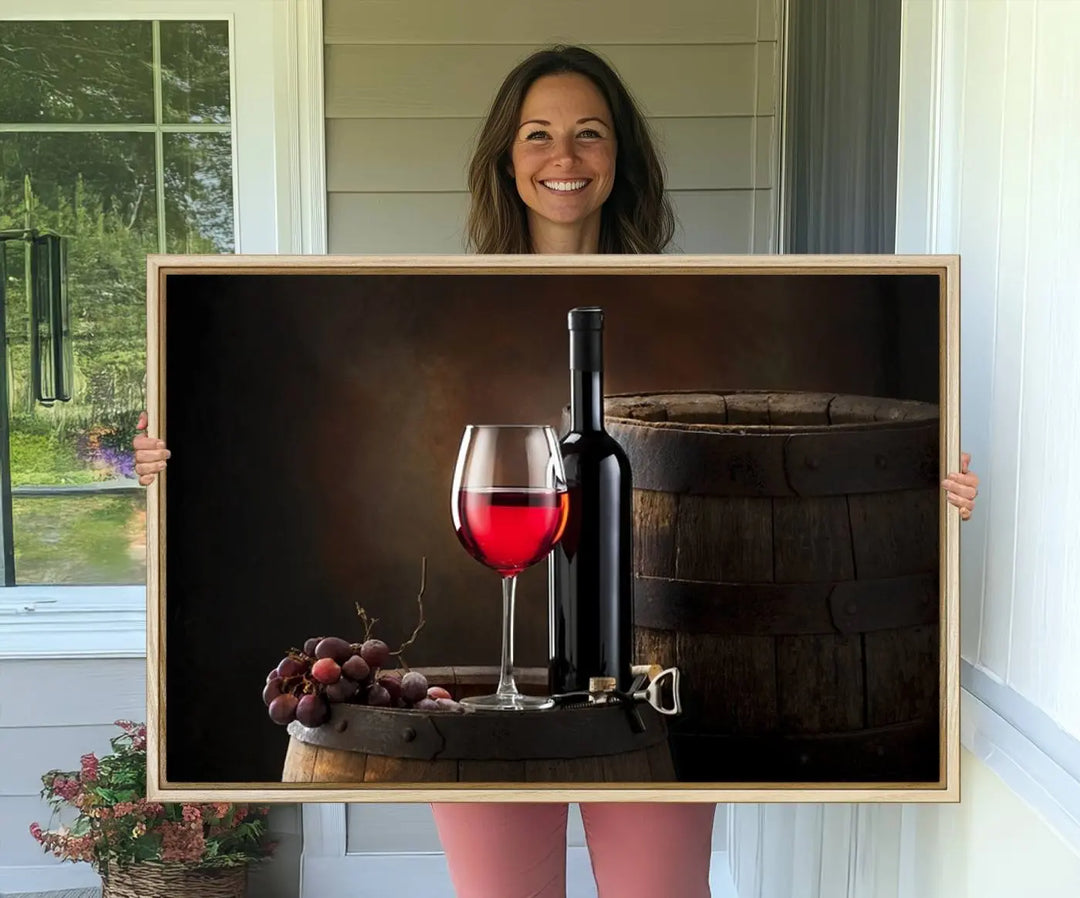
765	411
762	443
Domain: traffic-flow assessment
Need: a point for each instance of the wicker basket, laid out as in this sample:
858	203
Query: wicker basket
150	879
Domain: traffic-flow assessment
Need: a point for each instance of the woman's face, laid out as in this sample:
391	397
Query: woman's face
563	154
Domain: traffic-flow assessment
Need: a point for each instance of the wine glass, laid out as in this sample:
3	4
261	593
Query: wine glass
509	506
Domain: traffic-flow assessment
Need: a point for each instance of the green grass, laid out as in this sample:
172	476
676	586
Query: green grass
80	539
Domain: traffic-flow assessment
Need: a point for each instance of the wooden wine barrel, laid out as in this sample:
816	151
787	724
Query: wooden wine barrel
578	745
786	560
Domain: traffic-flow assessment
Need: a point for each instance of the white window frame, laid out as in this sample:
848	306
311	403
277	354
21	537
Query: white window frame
276	59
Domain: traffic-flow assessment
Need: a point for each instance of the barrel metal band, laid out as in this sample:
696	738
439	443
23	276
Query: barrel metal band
836	461
786	609
565	733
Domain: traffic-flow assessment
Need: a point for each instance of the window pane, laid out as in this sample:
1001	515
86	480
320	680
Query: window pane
99	72
85	181
198	193
195	72
81	540
98	190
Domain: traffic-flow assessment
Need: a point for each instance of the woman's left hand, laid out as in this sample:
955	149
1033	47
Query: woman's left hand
962	488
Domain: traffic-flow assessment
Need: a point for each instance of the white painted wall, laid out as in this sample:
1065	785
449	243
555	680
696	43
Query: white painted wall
1007	197
990	119
988	169
991	845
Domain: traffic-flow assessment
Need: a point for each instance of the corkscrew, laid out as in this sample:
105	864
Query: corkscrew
602	690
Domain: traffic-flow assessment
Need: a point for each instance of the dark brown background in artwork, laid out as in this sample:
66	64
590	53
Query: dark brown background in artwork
314	423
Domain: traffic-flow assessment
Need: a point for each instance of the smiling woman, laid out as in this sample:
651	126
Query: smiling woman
563	162
560	118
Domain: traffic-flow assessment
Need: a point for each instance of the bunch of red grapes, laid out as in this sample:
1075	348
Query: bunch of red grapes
331	671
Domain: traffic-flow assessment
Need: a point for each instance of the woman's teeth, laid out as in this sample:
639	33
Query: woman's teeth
564	186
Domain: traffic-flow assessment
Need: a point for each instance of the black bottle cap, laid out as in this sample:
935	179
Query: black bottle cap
586	318
586	338
586	325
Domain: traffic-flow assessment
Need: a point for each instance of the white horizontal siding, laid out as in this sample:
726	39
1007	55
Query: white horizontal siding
17	847
378	81
396	222
75	693
30	751
382	155
709	221
519	22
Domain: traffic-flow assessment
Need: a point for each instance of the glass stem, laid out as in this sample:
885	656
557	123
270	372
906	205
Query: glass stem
507	686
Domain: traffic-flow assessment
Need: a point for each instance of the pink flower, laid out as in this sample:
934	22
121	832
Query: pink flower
35	831
191	813
181	842
66	788
89	767
149	808
123	808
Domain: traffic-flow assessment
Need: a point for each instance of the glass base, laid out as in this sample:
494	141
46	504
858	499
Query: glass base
512	702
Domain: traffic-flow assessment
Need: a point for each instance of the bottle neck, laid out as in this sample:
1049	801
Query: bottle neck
586	401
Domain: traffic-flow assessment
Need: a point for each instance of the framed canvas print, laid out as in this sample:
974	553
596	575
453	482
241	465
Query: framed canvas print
316	628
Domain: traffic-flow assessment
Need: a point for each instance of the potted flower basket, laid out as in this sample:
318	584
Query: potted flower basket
145	849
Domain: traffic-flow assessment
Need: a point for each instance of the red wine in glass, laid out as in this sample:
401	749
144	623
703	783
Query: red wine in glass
509	508
510	529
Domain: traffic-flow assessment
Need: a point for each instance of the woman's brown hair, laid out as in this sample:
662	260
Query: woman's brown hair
637	216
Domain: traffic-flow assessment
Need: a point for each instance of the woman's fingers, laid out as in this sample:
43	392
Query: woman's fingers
150	453
959	501
962	487
966	485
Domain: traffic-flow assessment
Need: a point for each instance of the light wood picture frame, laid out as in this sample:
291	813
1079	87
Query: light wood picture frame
794	558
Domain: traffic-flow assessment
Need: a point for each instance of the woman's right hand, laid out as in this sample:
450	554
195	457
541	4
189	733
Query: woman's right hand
150	453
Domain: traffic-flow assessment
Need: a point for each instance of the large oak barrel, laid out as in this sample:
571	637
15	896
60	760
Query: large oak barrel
786	560
575	745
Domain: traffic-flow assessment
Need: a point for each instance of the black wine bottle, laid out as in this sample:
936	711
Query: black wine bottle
590	582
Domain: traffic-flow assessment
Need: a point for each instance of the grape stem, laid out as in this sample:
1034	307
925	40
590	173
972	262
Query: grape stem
369	622
422	621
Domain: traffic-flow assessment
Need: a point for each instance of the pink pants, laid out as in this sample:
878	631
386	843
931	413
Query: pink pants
638	850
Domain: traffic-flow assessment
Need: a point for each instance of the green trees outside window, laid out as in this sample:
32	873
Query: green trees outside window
118	136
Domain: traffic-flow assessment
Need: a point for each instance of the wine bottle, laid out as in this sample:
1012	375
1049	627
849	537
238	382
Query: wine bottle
590	579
